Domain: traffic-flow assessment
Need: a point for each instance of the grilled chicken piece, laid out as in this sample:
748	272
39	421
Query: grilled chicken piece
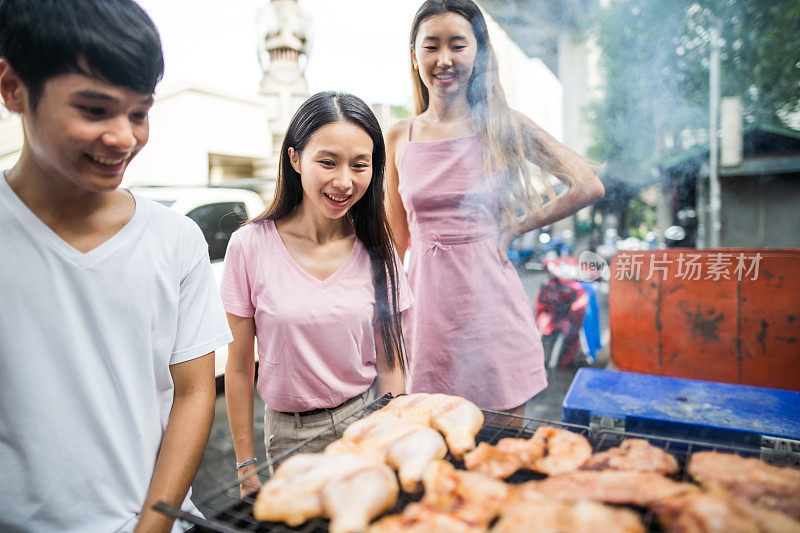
634	454
422	518
349	489
564	450
458	419
454	500
608	486
719	511
498	461
471	496
406	446
549	451
352	501
549	516
765	485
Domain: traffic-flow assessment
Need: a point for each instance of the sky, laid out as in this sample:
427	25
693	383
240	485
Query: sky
359	46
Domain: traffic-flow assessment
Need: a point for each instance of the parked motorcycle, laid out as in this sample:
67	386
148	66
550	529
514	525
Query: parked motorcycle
528	251
523	249
560	310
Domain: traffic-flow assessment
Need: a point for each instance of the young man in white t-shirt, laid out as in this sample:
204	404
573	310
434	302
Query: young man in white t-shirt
109	314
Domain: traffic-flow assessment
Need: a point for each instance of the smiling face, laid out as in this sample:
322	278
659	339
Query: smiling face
84	132
335	168
444	54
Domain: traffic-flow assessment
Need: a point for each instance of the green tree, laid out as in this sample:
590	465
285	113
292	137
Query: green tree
760	55
655	59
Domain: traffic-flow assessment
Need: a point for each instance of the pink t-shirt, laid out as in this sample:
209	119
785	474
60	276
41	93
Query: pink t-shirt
316	345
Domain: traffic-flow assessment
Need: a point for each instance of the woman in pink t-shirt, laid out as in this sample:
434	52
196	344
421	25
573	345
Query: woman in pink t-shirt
461	190
314	280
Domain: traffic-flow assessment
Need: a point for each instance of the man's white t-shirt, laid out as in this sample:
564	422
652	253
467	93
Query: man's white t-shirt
86	342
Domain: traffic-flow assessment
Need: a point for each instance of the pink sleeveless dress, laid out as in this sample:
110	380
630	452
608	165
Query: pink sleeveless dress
471	331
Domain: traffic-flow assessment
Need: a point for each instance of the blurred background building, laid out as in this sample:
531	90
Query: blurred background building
202	135
625	83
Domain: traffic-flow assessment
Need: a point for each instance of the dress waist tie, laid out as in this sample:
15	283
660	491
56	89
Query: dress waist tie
435	242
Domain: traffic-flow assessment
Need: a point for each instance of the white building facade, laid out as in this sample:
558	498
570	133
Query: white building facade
204	136
199	137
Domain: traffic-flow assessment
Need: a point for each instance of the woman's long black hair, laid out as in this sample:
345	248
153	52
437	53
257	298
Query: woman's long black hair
367	216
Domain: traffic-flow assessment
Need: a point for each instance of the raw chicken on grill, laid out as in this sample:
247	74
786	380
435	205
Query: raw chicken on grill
549	451
719	511
349	489
634	454
422	518
458	419
467	500
405	445
471	496
564	450
608	486
503	459
548	516
765	485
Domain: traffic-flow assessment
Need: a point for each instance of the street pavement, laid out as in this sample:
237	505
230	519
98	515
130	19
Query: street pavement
218	464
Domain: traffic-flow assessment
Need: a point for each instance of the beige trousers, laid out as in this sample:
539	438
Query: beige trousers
285	434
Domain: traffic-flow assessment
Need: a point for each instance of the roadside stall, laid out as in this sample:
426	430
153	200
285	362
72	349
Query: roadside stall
708	342
701	426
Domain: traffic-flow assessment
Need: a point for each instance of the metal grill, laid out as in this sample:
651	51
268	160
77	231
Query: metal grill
231	513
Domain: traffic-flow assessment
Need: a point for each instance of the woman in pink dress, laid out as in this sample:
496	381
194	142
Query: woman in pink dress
460	190
314	280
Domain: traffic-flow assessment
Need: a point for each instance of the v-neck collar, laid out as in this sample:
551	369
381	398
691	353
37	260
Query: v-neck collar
41	231
273	229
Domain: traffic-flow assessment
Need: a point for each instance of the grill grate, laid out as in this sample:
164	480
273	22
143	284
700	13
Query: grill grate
231	513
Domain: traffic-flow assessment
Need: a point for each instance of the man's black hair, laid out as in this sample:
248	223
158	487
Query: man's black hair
112	40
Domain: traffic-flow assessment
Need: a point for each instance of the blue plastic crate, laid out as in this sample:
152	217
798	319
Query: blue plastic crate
696	411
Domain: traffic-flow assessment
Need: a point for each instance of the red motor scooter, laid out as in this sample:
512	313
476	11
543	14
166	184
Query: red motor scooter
559	310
